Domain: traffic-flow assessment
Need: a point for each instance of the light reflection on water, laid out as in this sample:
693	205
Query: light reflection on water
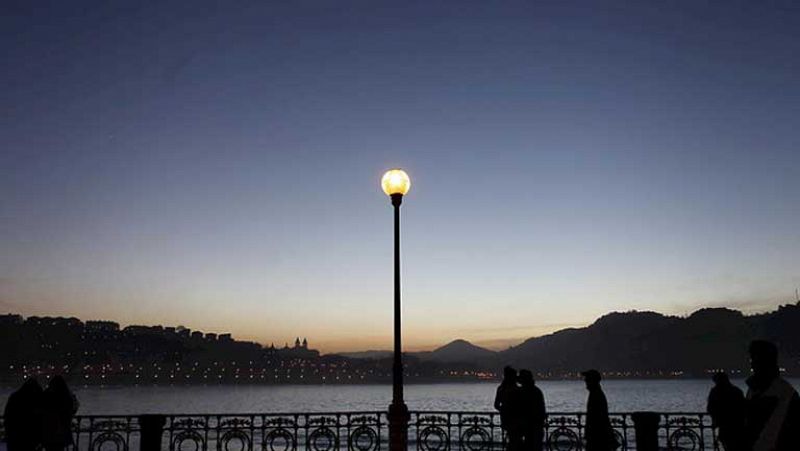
623	395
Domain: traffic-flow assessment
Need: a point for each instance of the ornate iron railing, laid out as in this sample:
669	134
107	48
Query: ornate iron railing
368	431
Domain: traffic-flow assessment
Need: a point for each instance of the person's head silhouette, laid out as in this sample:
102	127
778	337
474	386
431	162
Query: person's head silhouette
31	387
764	359
526	378
592	378
57	390
721	378
509	375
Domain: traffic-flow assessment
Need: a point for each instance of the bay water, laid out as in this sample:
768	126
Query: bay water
674	395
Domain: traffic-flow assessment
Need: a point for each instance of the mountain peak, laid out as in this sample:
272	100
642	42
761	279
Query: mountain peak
460	350
458	342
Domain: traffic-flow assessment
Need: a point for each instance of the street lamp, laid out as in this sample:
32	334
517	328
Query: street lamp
395	184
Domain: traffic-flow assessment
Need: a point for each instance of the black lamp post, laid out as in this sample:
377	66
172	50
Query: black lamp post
395	184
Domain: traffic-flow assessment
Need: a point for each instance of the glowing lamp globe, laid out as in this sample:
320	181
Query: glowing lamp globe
395	181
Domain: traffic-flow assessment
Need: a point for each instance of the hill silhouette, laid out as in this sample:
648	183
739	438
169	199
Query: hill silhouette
649	343
371	354
458	351
629	344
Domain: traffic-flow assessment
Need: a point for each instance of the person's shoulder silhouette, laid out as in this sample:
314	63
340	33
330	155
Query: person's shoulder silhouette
773	405
22	417
59	406
506	392
726	406
599	433
724	399
532	396
532	412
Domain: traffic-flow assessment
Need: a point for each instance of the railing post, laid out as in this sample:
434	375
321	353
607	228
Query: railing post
646	426
152	427
398	427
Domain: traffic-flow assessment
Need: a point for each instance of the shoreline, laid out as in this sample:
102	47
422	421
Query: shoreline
373	384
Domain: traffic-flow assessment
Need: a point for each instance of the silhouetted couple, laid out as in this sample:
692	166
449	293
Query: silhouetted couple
36	417
522	411
768	418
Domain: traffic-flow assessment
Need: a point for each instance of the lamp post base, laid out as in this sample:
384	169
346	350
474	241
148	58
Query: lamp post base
398	426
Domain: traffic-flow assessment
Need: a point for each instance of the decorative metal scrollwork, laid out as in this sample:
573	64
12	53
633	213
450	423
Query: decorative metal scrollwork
323	439
279	436
562	421
235	423
475	420
102	440
563	439
224	442
433	438
366	431
623	445
433	419
322	421
280	422
187	436
684	438
189	423
361	419
363	438
475	438
110	425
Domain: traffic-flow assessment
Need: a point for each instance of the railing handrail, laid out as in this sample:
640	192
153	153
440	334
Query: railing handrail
370	412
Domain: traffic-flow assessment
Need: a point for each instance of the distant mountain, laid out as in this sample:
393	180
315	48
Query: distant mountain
459	351
631	344
634	344
652	343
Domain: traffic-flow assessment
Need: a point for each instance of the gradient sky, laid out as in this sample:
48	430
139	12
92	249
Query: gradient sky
217	164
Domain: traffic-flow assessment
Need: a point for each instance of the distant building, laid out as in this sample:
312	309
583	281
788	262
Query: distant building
104	326
50	321
225	337
144	330
197	335
136	330
10	319
300	350
101	330
211	336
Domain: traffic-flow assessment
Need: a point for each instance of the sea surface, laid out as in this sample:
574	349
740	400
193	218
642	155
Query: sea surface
688	395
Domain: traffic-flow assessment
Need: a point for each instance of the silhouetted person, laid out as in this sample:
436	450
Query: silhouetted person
726	407
599	433
772	421
58	407
507	402
23	417
532	412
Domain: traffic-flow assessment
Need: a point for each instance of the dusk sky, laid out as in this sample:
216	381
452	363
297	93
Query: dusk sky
217	164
